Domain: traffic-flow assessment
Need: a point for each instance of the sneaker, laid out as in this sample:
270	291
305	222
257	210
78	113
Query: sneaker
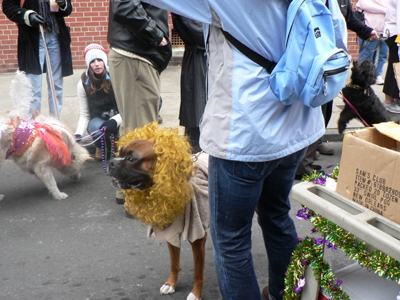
392	107
265	294
315	168
119	200
379	80
128	215
324	149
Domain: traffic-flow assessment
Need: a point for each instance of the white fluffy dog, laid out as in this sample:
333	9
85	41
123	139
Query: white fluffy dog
39	145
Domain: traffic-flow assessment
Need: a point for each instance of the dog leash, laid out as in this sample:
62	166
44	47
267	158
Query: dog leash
104	149
95	134
354	109
195	156
100	134
377	49
50	73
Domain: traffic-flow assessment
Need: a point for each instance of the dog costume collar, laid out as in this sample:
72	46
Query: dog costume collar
24	135
357	87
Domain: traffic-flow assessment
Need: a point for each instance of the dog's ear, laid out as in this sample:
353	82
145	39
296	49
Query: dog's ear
121	151
355	64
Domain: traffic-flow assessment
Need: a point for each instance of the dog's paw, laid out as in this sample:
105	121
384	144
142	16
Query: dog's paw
192	297
166	290
60	196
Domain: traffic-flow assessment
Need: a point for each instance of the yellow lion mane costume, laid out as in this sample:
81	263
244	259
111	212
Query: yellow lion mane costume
171	192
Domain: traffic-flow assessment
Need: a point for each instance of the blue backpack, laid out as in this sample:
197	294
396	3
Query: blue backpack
312	69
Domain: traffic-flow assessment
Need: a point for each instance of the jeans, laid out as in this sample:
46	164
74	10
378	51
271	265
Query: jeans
367	51
235	190
53	47
94	124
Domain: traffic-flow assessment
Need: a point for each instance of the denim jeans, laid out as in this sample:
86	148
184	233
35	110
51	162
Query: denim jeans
235	190
94	124
365	52
53	47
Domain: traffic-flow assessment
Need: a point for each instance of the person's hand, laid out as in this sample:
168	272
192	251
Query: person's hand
111	126
164	42
373	36
61	3
35	20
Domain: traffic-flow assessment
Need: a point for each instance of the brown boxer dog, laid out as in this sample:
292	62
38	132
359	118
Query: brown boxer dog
134	169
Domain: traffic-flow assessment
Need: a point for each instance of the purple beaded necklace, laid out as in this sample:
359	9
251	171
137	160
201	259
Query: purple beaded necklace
104	149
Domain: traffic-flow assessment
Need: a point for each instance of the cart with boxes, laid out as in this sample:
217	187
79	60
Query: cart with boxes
365	202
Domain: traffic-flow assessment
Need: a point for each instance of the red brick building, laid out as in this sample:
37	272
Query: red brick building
88	24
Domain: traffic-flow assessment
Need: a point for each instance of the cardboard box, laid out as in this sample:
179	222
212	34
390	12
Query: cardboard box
369	171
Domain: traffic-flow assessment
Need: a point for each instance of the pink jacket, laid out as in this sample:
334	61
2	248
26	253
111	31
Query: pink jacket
374	13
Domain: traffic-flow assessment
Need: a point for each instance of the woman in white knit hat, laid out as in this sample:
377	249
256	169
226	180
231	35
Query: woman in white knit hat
97	104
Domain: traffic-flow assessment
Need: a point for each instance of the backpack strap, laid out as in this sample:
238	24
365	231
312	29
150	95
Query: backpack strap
257	58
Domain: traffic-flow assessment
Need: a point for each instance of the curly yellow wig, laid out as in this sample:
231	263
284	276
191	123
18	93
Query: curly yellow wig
171	192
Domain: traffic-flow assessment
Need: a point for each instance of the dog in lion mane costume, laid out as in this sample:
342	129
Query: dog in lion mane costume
171	192
167	188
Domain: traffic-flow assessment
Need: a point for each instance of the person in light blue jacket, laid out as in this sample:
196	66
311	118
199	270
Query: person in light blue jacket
254	141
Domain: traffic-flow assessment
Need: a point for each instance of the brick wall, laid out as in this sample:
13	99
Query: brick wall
88	24
352	45
8	45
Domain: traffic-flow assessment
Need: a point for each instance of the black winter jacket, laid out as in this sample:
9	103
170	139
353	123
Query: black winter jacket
139	28
354	24
194	70
28	37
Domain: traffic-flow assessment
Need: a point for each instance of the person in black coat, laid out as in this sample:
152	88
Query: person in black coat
193	77
29	15
354	24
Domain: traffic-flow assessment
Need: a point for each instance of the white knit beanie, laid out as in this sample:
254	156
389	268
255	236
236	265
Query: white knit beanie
94	51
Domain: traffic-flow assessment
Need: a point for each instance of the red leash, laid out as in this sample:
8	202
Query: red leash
353	108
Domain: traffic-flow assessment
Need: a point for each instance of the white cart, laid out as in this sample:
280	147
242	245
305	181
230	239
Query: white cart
376	231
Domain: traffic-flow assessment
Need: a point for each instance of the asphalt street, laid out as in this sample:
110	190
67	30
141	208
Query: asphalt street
84	247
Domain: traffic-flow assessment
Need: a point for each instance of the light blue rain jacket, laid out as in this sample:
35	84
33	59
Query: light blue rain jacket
243	120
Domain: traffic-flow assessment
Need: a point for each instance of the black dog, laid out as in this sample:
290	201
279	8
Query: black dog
363	98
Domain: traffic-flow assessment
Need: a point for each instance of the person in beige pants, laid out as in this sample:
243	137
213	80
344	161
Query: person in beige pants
139	97
139	51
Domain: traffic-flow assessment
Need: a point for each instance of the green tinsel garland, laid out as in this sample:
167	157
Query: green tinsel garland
320	177
373	260
309	252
